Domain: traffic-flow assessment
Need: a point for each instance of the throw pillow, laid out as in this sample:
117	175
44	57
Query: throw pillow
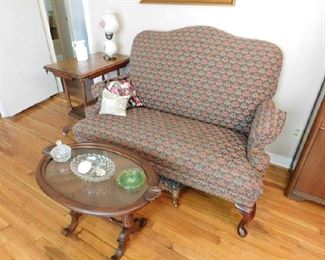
113	104
125	88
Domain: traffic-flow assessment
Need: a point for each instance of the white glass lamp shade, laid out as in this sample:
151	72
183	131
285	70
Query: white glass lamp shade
111	24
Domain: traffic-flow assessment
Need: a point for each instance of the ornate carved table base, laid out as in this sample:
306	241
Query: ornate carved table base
130	226
74	222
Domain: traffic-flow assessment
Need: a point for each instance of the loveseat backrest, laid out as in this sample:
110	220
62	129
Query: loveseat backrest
206	74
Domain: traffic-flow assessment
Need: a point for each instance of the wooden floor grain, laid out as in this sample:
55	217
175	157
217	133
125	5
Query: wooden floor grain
203	227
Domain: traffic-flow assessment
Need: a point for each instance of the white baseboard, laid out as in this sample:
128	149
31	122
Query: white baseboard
280	160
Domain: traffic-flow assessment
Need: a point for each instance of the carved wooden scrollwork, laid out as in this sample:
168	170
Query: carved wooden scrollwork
152	193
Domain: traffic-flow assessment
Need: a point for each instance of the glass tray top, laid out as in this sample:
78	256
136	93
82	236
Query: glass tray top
59	178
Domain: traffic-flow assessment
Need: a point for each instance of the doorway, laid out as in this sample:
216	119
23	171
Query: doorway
66	23
24	50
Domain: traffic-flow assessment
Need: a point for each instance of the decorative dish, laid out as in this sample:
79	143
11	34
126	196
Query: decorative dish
131	179
92	167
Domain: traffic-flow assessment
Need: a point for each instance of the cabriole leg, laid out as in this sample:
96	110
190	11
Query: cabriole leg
173	187
74	222
175	194
130	226
248	214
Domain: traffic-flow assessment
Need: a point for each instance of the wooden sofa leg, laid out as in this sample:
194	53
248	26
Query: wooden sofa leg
248	214
173	187
175	194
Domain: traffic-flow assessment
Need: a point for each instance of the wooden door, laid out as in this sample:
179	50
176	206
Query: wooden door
23	53
312	177
308	178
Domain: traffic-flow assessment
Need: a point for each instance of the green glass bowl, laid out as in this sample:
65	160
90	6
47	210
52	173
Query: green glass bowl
131	179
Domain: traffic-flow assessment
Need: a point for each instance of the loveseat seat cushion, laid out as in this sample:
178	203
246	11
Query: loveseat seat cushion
207	157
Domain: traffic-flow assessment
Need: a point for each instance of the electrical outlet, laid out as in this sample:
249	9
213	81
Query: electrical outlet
296	133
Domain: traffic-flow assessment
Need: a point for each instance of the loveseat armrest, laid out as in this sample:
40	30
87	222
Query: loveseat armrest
267	125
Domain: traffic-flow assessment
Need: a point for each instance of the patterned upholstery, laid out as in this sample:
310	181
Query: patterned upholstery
93	110
205	74
267	125
97	89
208	112
204	156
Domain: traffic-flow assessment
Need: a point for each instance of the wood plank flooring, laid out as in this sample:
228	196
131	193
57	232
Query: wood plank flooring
203	227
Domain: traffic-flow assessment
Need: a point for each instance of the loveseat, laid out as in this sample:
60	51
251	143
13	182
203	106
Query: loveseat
208	111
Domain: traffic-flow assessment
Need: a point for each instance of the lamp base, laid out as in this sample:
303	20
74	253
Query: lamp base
106	57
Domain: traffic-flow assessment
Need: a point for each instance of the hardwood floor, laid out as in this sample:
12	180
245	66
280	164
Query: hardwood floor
203	227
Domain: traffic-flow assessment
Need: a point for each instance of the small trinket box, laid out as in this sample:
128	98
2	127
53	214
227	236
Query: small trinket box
61	152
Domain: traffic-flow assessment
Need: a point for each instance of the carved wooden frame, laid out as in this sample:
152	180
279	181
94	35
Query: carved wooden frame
225	2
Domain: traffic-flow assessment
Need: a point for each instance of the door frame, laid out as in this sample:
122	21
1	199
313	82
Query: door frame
48	33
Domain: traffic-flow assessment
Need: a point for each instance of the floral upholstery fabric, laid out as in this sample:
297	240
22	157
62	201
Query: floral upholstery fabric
206	74
97	89
96	92
267	125
93	109
203	124
204	156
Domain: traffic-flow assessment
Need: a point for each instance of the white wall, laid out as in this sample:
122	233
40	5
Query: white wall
296	26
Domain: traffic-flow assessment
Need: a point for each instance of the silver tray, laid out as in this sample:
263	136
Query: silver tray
102	167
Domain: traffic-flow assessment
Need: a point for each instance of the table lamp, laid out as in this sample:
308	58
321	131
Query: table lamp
110	25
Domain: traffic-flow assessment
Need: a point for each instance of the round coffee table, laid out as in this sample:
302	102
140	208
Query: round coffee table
104	199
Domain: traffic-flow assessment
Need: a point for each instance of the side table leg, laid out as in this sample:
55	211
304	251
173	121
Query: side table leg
67	94
175	194
130	227
74	222
84	90
65	129
68	127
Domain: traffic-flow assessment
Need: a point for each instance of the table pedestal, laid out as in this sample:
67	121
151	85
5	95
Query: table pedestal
129	224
